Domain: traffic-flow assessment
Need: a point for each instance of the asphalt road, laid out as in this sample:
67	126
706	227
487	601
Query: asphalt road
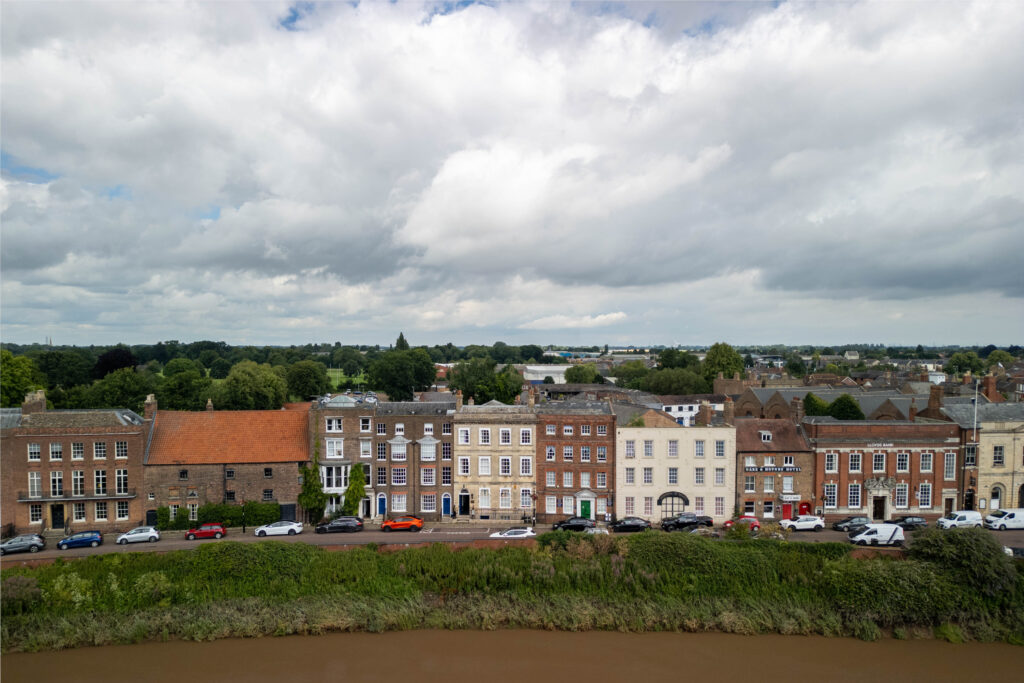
173	540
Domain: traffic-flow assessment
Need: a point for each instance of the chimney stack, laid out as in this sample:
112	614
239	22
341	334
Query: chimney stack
471	401
35	402
531	397
934	399
209	405
796	409
703	418
913	409
149	407
729	412
458	399
988	387
967	377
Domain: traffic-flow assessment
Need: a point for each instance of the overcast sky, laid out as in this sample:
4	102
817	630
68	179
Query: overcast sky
275	173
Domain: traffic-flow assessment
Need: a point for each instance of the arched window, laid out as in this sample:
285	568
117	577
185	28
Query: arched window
996	499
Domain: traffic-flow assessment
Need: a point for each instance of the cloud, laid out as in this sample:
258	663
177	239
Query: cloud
274	173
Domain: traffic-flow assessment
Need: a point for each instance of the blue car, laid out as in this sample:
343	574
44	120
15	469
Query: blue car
83	539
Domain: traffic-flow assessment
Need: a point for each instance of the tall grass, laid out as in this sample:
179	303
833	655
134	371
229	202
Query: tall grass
569	581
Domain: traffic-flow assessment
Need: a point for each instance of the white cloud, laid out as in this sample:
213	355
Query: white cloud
558	322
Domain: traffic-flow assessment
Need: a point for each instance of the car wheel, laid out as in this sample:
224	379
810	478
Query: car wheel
62	546
123	541
874	541
33	549
218	535
415	528
93	544
1002	527
818	528
191	537
261	534
386	529
2	552
291	532
977	526
152	539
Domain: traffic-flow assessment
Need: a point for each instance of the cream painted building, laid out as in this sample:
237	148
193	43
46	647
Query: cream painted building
495	468
663	468
994	455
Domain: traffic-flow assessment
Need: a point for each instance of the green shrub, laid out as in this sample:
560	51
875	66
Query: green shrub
972	556
19	594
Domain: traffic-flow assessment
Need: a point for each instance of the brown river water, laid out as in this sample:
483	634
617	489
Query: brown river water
523	657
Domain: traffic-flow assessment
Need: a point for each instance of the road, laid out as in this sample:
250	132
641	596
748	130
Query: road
172	540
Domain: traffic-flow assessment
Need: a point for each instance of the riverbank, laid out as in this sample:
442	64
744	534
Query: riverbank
515	656
956	585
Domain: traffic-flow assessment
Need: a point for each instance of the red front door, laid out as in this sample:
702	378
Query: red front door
787	510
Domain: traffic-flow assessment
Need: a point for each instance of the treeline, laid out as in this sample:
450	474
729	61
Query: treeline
958	582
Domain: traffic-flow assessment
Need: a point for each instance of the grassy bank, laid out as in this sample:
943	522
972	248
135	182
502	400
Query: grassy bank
645	582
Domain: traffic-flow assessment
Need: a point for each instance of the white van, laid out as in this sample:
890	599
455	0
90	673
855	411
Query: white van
878	534
960	518
1006	518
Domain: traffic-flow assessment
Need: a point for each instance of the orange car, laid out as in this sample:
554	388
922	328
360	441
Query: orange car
409	523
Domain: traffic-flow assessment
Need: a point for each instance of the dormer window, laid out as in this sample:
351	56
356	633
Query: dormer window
766	436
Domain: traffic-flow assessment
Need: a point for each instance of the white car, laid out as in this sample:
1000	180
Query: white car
596	530
515	532
803	523
141	534
279	529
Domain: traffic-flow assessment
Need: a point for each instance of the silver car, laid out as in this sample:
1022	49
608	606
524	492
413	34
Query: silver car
281	528
26	543
139	534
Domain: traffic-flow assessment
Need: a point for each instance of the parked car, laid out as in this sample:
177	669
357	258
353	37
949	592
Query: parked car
909	522
596	530
629	524
1017	553
340	524
685	521
851	523
878	534
749	520
960	518
514	532
26	543
1006	518
282	528
83	539
803	523
140	534
209	530
407	523
574	524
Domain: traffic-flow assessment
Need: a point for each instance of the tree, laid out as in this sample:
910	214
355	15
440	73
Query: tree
220	368
582	374
548	379
1000	356
814	405
177	365
312	497
186	390
394	374
114	359
64	368
307	378
973	557
124	388
349	360
251	386
795	365
671	358
401	344
355	492
208	357
17	378
674	381
424	372
531	352
962	362
631	374
845	407
478	380
721	358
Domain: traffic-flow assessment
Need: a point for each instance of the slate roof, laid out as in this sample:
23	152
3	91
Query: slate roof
10	418
786	436
963	414
228	436
64	419
691	399
415	407
574	407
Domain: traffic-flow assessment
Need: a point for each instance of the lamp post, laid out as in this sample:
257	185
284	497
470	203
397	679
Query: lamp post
243	516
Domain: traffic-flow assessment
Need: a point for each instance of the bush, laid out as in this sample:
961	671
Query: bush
19	594
971	556
255	514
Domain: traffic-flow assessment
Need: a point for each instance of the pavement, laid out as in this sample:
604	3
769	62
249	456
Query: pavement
456	534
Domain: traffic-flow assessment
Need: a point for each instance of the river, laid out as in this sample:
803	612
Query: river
523	656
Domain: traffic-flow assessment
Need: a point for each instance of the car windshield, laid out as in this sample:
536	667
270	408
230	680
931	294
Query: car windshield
950	516
998	513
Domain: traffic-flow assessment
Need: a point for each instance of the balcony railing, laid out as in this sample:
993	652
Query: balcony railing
25	497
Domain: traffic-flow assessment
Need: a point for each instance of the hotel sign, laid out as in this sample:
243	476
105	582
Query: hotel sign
787	468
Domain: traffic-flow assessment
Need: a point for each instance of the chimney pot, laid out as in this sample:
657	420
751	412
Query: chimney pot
209	404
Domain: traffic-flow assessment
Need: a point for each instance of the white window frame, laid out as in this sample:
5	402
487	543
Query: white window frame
428	452
428	502
399	502
334	448
56	451
768	483
428	476
505	466
719	449
551	505
949	466
903	462
602	430
505	436
549	453
35	452
551	479
525	466
832	462
464	466
876	457
365	425
35	513
719	476
630	475
567	479
334	425
484	436
630	448
566	430
483	465
901	496
601	480
78	512
854	498
648	448
78	450
630	504
830	496
525	498
525	437
749	484
97	507
35	485
698	476
602	454
550	429
399	476
924	500
673	476
399	452
673	448
859	459
584	480
698	448
483	497
927	458
584	430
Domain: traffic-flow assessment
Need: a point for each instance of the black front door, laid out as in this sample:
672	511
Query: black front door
878	508
463	503
150	517
969	500
57	516
288	512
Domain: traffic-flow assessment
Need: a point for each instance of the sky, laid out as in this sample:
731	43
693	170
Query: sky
530	172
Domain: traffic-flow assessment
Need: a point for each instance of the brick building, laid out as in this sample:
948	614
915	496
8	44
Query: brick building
775	469
884	469
575	460
225	456
71	469
662	468
494	453
405	450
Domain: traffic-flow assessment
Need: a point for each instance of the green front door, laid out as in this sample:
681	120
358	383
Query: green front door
585	508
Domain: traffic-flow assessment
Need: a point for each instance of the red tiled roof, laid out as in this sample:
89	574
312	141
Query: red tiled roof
229	436
297	406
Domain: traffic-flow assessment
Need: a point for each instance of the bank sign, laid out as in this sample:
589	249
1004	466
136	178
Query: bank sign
786	468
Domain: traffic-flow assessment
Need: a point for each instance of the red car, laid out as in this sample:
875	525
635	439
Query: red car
749	520
408	523
209	530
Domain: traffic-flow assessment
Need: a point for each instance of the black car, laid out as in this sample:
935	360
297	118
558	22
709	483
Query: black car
340	524
909	523
851	523
574	524
686	521
26	543
628	524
